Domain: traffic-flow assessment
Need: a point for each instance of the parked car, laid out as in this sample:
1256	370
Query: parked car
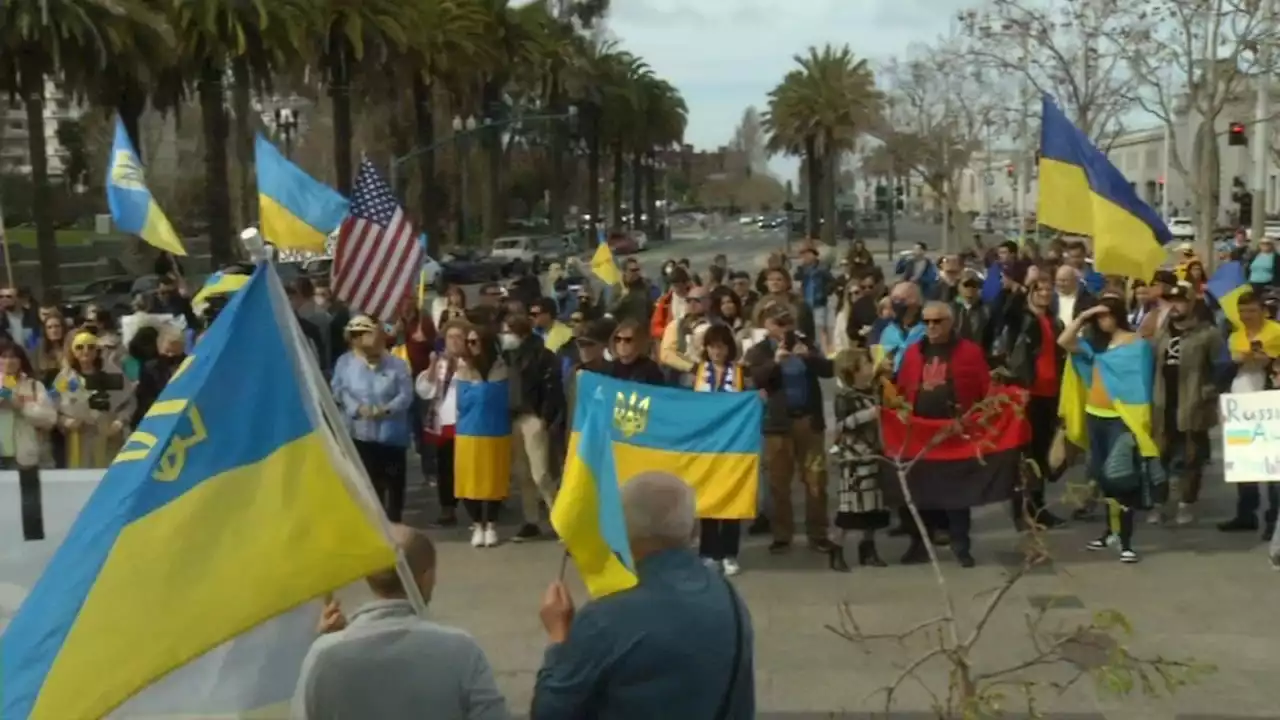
1182	228
114	294
466	266
318	268
533	251
621	243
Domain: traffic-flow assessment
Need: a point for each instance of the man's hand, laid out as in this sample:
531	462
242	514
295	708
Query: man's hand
557	611
367	411
800	349
331	618
116	428
781	354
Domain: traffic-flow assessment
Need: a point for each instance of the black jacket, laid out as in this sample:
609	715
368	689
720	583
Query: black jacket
974	324
152	379
1024	342
643	370
535	381
767	375
30	321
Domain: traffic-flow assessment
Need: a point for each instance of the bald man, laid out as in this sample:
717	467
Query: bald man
386	662
1071	297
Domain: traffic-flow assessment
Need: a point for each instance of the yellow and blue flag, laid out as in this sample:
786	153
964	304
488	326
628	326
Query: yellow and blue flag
482	442
603	265
295	210
621	429
1226	286
1128	376
1082	193
132	208
229	508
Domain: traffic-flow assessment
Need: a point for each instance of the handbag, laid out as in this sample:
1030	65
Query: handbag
726	702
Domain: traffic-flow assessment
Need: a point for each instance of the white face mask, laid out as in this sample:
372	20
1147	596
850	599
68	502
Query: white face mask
510	341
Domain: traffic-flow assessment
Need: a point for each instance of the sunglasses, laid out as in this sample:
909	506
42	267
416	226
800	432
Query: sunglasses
623	339
933	321
6	296
82	347
473	341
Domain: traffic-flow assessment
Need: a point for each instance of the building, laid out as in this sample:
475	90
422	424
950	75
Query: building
696	167
15	138
1146	157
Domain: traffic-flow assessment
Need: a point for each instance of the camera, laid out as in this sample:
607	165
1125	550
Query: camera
100	401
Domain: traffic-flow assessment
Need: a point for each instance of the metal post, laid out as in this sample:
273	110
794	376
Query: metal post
1261	134
1024	152
1164	170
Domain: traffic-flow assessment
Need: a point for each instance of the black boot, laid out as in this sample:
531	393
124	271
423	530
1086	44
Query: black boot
1018	511
760	526
1043	517
916	554
835	558
867	554
1240	523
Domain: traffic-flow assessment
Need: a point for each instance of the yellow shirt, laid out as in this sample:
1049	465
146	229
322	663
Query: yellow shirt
1098	403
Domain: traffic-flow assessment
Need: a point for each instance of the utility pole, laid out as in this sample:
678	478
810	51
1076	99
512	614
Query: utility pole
1164	173
1024	151
1262	127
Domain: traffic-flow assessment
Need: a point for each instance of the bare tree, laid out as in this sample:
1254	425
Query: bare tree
749	139
940	111
1189	60
976	688
1064	50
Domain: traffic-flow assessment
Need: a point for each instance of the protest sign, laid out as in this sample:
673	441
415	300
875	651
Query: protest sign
1251	436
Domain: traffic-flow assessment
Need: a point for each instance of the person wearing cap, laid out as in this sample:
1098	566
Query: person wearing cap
682	339
592	355
973	318
1262	266
1184	403
785	367
1155	319
554	333
816	286
672	304
373	389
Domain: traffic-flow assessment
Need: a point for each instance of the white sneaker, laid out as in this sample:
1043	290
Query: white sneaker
1155	517
1128	556
1185	516
477	535
731	567
711	563
490	535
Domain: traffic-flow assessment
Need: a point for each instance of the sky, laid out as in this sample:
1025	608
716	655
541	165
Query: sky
724	55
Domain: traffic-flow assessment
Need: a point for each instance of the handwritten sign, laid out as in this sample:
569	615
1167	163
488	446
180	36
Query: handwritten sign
1251	436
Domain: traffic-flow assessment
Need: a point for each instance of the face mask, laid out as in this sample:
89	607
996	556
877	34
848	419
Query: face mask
91	328
510	341
900	309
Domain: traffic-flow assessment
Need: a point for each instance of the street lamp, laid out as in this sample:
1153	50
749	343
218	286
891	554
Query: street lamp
287	120
462	129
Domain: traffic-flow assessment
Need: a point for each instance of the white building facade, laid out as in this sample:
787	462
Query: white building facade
15	135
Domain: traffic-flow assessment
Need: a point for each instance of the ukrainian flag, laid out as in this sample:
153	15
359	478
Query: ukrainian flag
712	441
229	508
482	446
296	211
132	208
219	283
1226	285
1128	375
1082	193
603	265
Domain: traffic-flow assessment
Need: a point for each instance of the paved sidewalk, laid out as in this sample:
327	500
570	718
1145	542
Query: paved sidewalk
1197	593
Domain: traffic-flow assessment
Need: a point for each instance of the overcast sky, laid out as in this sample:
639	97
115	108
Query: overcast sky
724	55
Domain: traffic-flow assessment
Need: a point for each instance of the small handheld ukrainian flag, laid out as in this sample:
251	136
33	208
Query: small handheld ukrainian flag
297	211
132	208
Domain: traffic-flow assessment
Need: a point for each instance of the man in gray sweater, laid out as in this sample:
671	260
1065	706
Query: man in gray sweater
385	662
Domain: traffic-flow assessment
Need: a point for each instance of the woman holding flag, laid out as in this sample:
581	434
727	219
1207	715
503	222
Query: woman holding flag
25	410
95	404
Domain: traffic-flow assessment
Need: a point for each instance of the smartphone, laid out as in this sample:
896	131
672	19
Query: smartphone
790	340
1256	346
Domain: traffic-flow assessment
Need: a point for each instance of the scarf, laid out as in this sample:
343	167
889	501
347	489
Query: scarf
731	382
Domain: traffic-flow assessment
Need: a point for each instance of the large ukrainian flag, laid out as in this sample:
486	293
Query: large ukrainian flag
1226	286
621	429
1082	193
296	210
133	209
482	443
230	507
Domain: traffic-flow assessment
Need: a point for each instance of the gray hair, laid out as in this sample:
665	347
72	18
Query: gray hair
939	306
659	507
907	291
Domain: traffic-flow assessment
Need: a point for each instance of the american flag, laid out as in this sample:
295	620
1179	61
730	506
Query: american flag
377	256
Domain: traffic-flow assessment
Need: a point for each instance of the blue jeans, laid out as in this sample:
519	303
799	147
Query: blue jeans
1102	434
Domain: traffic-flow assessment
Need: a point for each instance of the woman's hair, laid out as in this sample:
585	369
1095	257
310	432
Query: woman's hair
786	277
1094	335
8	347
456	291
1198	265
69	355
483	357
718	334
717	301
49	354
145	343
638	331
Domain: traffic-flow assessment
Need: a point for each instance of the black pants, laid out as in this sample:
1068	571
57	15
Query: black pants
386	467
957	523
719	539
1249	499
1042	416
483	511
444	477
1123	527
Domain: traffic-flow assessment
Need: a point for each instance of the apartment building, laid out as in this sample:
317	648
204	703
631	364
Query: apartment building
15	135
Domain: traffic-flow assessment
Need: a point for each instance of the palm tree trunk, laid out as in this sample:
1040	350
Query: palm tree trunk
42	199
618	167
637	185
213	116
241	108
651	191
812	181
593	177
401	142
558	192
340	92
830	177
425	127
494	218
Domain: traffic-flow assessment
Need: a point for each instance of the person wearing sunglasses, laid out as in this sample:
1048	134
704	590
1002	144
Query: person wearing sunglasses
374	391
95	404
631	361
19	323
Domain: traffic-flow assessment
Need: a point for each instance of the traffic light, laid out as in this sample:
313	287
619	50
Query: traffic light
1246	209
1236	136
900	192
882	198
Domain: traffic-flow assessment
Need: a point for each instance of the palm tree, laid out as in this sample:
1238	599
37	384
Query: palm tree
246	38
621	123
53	40
663	118
818	110
448	40
351	28
591	78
